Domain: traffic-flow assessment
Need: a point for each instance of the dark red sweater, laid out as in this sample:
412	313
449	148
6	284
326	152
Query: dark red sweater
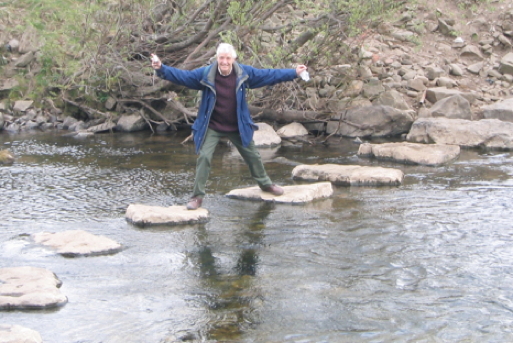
224	116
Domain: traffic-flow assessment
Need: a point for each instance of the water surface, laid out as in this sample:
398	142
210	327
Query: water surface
429	261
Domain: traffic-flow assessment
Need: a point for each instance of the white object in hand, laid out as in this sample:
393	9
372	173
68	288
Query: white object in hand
305	76
154	58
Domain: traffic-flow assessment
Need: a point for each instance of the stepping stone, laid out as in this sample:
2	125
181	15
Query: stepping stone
29	288
411	153
156	215
292	194
77	243
349	175
17	333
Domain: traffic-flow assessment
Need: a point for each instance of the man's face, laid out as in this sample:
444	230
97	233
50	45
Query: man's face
225	61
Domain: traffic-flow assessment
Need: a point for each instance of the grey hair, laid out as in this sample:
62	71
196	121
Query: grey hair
228	48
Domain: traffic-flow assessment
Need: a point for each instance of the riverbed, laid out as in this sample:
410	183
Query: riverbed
428	261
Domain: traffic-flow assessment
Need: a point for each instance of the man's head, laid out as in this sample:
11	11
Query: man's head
226	55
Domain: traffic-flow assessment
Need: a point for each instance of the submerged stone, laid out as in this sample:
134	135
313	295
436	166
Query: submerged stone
17	333
292	194
157	215
29	288
411	153
6	157
349	175
77	243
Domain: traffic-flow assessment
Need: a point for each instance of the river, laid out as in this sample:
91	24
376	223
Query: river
428	261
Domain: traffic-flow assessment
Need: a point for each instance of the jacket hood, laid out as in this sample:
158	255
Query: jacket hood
211	73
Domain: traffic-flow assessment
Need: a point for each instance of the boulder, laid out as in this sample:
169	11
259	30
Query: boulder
471	53
411	153
488	133
110	103
455	69
265	136
29	288
476	68
353	89
445	28
139	214
370	121
131	123
438	93
69	122
416	84
24	60
434	72
12	127
14	45
392	98
502	110
77	243
292	194
446	82
454	106
506	64
349	175
30	40
292	130
372	89
7	85
403	35
18	334
22	105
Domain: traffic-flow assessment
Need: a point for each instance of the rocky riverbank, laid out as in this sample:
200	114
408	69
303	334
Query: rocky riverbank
431	62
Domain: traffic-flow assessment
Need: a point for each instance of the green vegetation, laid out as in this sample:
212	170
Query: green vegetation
92	49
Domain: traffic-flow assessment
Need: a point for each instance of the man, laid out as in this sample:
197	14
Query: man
223	112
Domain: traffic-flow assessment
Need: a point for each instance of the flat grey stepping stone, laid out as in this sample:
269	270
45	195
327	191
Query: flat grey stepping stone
156	215
292	194
77	243
349	175
29	288
411	153
18	334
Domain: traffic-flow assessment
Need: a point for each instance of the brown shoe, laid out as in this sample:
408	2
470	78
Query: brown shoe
273	189
194	203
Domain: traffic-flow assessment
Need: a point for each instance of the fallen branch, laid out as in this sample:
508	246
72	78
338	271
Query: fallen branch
151	109
288	116
141	113
189	137
88	110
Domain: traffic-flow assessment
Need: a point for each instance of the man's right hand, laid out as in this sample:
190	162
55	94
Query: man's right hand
155	62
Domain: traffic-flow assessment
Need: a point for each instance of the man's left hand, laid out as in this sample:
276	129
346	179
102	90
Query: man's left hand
300	68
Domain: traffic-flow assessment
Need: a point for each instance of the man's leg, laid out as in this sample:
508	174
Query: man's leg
203	163
252	158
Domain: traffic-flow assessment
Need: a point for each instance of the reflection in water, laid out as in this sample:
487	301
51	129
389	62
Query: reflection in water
231	294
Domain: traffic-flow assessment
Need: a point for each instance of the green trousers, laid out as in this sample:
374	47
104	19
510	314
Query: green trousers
250	155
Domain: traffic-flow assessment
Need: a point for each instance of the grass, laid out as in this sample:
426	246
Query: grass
86	44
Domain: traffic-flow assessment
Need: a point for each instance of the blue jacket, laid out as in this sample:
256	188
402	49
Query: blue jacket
203	79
